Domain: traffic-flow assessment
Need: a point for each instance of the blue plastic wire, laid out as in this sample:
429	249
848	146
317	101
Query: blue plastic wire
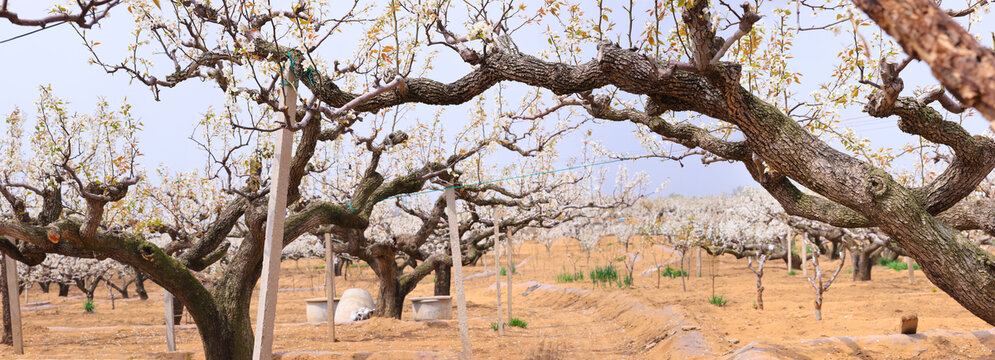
307	75
494	181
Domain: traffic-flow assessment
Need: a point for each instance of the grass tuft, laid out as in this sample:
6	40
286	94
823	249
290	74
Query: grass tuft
673	273
516	322
718	300
602	275
566	277
896	264
624	282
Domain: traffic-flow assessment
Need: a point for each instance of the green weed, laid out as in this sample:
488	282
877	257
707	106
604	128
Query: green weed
604	275
673	273
896	264
566	277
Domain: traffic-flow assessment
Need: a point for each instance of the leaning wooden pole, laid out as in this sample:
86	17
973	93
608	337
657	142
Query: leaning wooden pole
14	304
509	272
912	273
330	286
262	348
457	256
167	300
497	265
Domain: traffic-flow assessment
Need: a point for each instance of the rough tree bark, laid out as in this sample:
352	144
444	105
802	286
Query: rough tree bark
866	258
177	312
796	261
864	265
963	66
390	299
140	285
393	286
8	337
443	278
776	151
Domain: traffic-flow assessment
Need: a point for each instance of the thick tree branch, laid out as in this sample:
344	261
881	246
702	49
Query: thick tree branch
928	33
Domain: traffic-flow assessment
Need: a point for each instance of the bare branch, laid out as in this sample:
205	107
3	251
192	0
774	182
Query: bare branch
90	12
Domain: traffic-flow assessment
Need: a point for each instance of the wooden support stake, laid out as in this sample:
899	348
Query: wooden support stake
699	261
167	299
262	347
535	255
909	324
805	255
310	276
510	264
497	272
330	285
912	273
457	256
14	304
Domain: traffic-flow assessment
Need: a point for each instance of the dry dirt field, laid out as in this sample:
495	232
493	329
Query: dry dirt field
565	320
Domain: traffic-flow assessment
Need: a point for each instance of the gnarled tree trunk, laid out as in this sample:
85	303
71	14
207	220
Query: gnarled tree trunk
796	261
8	338
390	299
443	278
865	262
140	285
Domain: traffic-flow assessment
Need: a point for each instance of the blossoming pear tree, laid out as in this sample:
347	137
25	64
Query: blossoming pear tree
716	81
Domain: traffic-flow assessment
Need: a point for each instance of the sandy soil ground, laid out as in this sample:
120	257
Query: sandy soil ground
653	319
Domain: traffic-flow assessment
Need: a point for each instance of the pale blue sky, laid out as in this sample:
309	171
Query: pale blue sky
56	56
